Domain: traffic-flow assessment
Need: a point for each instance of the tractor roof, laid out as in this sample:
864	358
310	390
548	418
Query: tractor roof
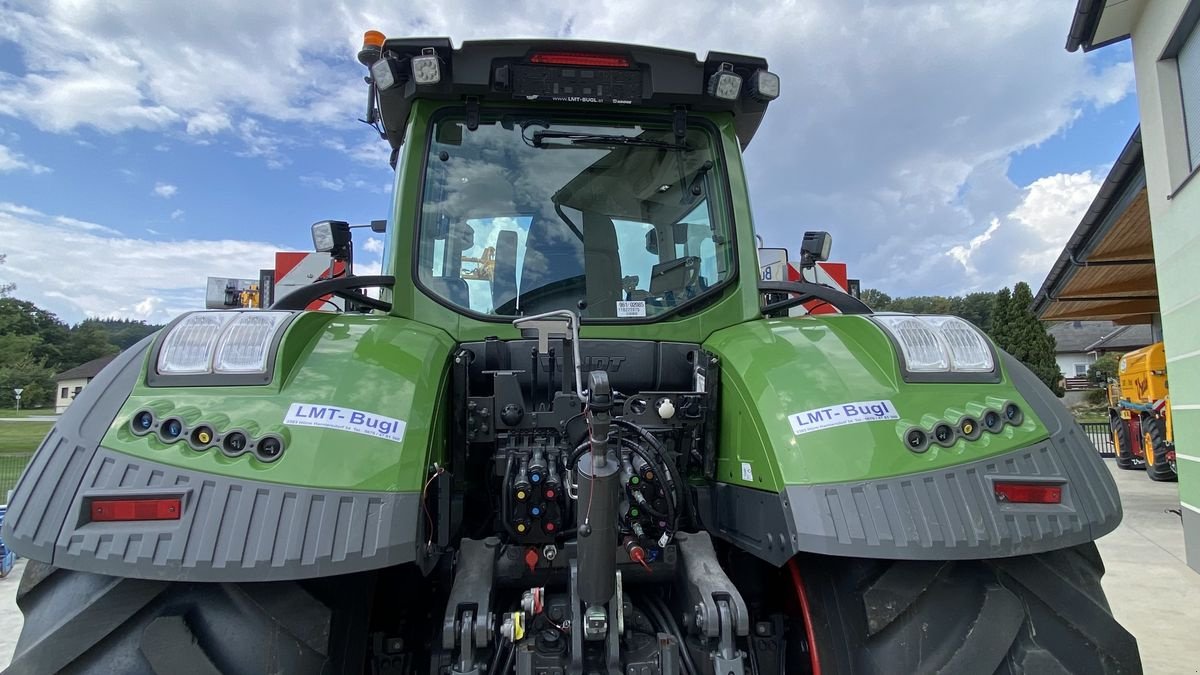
571	73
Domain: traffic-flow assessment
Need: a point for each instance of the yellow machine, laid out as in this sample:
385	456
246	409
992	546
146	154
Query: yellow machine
1140	414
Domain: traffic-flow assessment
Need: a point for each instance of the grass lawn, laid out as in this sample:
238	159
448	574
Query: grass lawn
27	412
22	436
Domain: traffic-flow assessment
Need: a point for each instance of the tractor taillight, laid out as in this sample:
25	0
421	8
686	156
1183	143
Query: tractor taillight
1028	493
579	59
110	510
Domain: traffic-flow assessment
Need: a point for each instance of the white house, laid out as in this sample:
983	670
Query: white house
1165	37
70	382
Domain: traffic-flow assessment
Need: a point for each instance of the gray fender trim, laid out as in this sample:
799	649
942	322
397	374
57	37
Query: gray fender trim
234	530
948	514
230	529
44	492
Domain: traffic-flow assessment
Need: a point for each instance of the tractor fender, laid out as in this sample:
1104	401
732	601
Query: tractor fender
342	497
822	485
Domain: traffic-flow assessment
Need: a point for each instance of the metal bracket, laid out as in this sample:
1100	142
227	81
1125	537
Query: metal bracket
472	113
467	625
718	611
679	122
562	323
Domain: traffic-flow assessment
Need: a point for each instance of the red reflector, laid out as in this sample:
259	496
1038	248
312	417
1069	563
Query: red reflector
1028	493
135	509
579	59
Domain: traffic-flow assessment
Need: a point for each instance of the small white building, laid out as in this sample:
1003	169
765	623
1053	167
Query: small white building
69	383
1072	342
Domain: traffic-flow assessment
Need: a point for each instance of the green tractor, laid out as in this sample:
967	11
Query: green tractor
574	432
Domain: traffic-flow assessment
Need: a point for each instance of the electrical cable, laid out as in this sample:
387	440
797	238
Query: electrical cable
425	504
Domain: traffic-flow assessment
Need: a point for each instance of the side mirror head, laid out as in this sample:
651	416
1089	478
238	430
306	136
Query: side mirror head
652	241
331	236
816	246
772	264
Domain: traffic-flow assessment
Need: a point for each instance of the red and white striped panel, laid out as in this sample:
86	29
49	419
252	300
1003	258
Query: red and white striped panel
294	269
827	273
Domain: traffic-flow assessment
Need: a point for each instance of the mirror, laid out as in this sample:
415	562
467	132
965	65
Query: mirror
331	236
772	264
815	247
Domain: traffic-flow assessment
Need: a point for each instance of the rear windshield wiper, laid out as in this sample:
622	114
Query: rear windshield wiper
577	138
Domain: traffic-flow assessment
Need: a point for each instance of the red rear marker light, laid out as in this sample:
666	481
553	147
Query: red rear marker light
108	510
1028	493
579	59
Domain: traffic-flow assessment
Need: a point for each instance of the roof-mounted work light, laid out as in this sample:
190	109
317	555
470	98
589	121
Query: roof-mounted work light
387	73
725	84
764	86
426	68
332	237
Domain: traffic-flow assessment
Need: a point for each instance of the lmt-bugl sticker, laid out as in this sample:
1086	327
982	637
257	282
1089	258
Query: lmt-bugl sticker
841	415
345	419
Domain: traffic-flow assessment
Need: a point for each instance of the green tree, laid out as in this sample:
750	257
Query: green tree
1104	368
876	299
977	308
20	369
88	340
21	317
1001	318
1025	337
124	333
5	287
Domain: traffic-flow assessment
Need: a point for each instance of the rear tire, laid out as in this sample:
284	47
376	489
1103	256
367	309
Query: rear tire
1120	433
1042	613
76	622
1160	469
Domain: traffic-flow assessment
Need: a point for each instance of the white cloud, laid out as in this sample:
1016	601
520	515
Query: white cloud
176	214
335	184
11	160
373	245
79	269
207	122
340	184
165	190
1024	243
893	131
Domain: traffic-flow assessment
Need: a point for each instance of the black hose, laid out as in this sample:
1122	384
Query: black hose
672	512
669	473
667	624
662	451
508	465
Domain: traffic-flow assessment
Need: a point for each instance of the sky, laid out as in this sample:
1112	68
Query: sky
948	146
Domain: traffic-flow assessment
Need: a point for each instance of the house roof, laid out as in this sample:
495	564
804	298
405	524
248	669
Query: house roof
1124	338
89	369
1098	23
1076	336
1106	270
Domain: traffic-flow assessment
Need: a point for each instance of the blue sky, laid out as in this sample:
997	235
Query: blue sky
146	146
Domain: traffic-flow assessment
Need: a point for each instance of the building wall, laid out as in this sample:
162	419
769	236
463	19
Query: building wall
1174	213
61	402
1068	360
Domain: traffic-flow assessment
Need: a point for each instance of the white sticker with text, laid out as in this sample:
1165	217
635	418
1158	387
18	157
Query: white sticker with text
631	308
841	415
747	472
345	419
